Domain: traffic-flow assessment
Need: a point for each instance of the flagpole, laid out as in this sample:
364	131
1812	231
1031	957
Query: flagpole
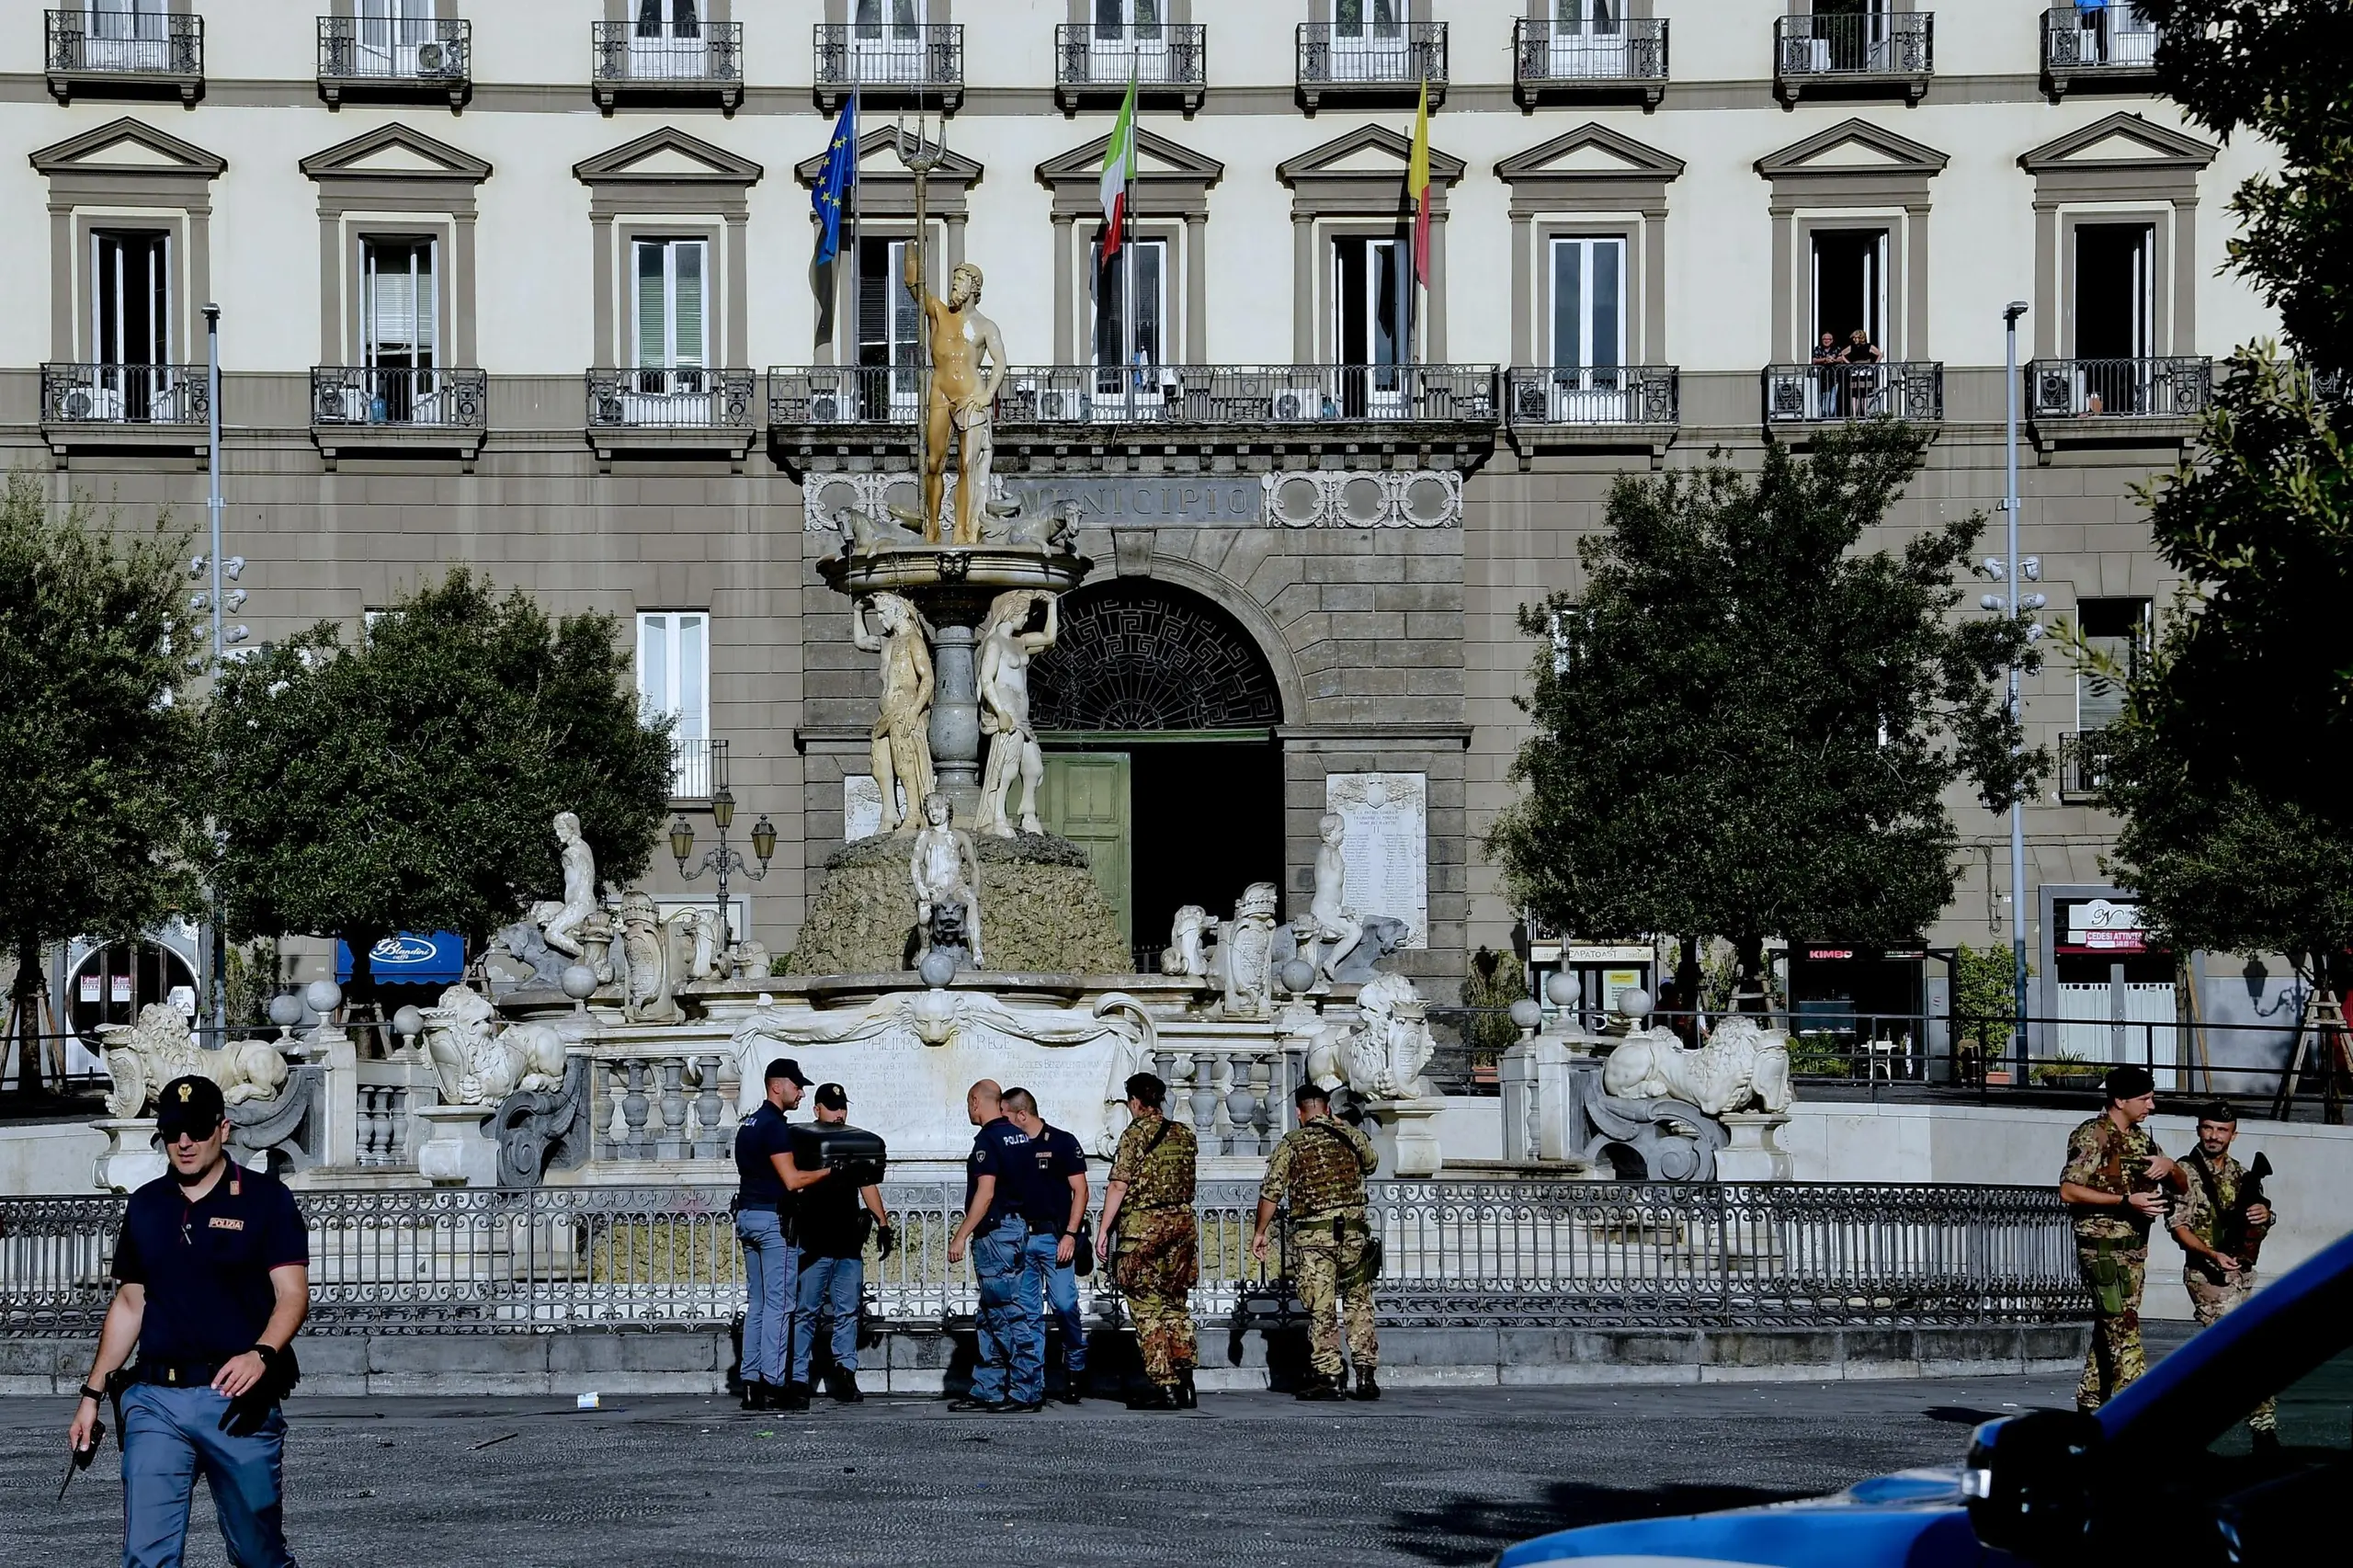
1128	217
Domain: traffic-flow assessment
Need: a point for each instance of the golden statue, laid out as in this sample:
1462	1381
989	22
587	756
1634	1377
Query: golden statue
963	396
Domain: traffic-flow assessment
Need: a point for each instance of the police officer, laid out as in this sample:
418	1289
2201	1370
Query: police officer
212	1268
766	1181
2213	1214
1061	1159
1317	1174
1018	1230
829	1228
2110	1184
1148	1206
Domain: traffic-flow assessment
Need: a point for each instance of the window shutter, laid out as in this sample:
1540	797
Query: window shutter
653	664
688	256
694	708
653	342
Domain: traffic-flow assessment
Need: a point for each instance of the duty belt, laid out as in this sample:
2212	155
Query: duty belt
176	1374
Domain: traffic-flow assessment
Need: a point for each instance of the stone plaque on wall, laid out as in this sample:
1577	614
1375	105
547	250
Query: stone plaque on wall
1385	845
861	807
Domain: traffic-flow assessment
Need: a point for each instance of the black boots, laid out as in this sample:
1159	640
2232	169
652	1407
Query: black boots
1183	1391
755	1394
842	1383
1366	1387
1153	1396
792	1396
1321	1387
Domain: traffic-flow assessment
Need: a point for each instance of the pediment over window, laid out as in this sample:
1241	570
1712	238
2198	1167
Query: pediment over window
667	157
878	161
1369	150
1592	151
2121	142
128	146
395	152
1853	147
1172	180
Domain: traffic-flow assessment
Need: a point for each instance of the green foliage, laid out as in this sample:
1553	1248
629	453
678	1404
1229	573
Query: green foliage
1494	981
2065	1069
1745	725
1817	1053
409	783
98	753
1985	997
250	977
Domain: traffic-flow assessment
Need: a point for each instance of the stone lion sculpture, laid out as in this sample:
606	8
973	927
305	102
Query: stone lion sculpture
1185	955
1742	1065
479	1063
145	1055
1381	1055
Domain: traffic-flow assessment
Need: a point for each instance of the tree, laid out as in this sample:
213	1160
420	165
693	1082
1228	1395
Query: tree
2229	763
408	783
98	753
1745	727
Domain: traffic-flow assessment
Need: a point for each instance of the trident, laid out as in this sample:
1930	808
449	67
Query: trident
920	155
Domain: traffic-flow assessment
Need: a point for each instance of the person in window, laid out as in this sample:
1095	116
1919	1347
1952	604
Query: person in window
1827	354
1862	384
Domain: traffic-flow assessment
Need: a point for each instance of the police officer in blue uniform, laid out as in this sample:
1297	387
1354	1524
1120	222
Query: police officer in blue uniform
766	1181
1022	1212
212	1268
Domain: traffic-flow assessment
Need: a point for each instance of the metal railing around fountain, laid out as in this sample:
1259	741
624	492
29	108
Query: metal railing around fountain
1529	1254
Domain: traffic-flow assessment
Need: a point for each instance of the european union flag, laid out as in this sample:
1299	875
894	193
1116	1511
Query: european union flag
834	186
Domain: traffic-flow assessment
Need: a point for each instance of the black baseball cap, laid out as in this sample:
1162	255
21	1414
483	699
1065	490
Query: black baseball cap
2129	1082
832	1097
191	1105
786	1067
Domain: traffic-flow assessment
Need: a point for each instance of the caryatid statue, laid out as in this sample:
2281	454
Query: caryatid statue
901	737
963	396
1006	647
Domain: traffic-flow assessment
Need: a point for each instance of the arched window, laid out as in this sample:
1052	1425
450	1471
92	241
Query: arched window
1139	655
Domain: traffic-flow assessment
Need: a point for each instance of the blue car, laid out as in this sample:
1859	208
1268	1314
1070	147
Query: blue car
2167	1473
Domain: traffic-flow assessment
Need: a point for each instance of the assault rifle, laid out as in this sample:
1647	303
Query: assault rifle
2239	1239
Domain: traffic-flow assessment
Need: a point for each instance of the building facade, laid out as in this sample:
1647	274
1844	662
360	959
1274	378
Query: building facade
532	285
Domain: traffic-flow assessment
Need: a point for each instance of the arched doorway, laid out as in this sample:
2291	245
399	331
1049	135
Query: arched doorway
110	984
1157	712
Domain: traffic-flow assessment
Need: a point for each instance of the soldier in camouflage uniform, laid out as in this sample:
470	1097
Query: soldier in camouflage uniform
2201	1222
1317	1174
1149	1198
2110	1184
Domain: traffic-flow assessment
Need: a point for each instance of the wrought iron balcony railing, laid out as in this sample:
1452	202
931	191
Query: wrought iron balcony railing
98	43
1616	394
691	765
1167	395
1896	44
429	397
1165	58
2115	38
2173	388
671	400
1546	53
1372	56
1891	388
124	394
890	59
669	57
2083	764
431	51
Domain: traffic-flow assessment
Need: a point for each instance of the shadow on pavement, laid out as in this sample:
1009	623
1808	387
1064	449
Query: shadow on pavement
1472	1529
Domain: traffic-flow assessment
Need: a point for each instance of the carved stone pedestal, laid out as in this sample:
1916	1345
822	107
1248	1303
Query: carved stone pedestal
132	1159
1751	1154
458	1152
1406	1133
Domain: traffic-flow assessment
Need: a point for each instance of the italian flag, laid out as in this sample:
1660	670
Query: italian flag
1119	172
1418	187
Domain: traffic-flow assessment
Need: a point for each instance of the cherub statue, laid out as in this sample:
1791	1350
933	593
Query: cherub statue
1333	921
946	874
1006	647
902	736
557	921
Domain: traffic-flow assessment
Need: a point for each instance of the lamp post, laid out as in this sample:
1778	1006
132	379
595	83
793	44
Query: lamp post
2011	567
723	859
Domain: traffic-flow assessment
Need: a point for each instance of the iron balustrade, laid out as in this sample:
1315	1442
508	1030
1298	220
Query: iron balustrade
1371	53
427	51
1878	44
124	394
1616	394
689	767
2083	763
1894	389
911	57
125	43
660	52
1102	54
683	399
2175	386
2115	36
1628	48
423	397
1192	395
845	394
1542	1254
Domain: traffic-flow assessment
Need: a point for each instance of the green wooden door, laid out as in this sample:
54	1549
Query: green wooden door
1085	800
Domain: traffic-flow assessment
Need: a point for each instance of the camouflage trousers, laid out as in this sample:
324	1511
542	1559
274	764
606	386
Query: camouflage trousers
2208	1298
1156	1266
1336	1290
2115	1357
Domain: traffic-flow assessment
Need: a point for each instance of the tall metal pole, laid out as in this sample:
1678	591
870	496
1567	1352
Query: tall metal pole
216	995
2010	563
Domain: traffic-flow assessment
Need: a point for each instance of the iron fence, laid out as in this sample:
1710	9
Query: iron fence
2083	764
1874	43
386	49
125	42
674	52
1626	48
680	399
1894	389
423	397
912	56
1614	394
1152	395
2114	36
124	394
2173	387
1499	1254
1373	51
1106	54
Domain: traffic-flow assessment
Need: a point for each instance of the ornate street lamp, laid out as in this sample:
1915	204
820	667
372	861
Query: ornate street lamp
724	860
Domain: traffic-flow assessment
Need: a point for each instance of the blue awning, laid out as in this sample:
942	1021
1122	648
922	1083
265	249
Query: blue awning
409	960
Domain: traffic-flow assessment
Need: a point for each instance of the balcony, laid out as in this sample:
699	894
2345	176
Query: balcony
2091	403
398	408
1598	406
917	65
377	57
1370	62
660	413
1552	61
2083	765
1910	390
668	61
1093	60
692	759
2114	44
124	52
1878	52
124	407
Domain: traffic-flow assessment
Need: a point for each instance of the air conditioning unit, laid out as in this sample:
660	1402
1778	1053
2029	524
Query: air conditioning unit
436	59
97	404
1292	403
1060	403
825	408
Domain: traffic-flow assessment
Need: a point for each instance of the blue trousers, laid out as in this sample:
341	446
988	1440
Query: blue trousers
1062	1295
769	1268
830	1287
1013	1267
168	1434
